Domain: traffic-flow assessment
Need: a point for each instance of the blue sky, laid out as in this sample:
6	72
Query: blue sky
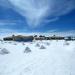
16	17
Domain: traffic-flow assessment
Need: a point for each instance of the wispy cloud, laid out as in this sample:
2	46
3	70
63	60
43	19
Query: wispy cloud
35	11
61	33
51	20
5	3
7	22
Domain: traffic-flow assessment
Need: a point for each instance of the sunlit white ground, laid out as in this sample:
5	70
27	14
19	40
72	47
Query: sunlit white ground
57	58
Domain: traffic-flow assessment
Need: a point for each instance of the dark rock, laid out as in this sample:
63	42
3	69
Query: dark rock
37	45
4	51
42	47
48	43
27	50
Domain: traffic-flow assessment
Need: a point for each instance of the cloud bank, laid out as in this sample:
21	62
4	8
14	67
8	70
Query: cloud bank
36	11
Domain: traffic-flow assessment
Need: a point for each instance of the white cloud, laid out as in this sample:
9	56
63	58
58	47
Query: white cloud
35	11
61	33
8	22
51	20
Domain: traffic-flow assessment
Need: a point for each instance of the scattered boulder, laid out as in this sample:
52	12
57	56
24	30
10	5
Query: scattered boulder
15	44
27	50
37	45
48	43
23	43
4	51
42	47
5	42
10	42
66	43
31	43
